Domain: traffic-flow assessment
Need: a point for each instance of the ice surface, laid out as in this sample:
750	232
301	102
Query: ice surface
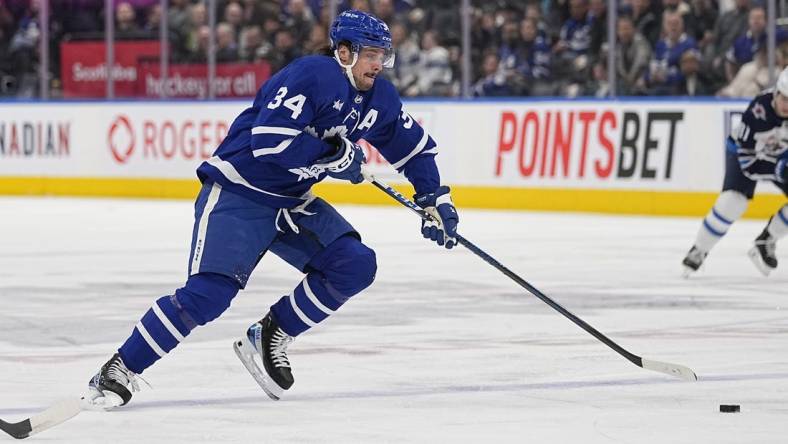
442	348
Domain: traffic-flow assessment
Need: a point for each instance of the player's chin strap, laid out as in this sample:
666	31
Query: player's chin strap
348	68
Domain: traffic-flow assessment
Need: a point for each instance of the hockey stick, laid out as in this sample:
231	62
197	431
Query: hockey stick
58	413
676	370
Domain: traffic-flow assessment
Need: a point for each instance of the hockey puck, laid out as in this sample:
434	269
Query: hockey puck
730	408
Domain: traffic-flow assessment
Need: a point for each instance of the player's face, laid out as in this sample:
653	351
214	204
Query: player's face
369	64
781	105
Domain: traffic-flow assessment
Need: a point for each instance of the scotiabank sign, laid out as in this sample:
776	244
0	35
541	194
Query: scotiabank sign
83	67
84	73
594	144
174	139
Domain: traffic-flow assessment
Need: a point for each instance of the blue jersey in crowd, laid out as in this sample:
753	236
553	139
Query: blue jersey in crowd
270	150
667	56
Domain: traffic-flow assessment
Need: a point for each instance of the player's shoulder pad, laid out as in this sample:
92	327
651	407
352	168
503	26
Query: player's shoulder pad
314	68
386	94
385	88
765	97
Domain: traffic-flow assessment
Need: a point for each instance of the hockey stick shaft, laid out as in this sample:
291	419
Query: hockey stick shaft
664	367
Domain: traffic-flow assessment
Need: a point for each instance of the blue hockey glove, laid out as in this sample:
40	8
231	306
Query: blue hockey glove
345	163
781	170
443	228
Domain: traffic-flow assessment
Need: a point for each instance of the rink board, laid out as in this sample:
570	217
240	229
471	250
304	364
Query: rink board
630	157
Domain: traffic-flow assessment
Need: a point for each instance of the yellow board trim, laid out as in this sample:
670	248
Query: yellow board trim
664	203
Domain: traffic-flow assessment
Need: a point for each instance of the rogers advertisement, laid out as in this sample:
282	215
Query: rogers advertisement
84	73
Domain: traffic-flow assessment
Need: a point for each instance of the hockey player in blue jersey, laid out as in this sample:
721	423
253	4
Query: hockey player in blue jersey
756	150
301	128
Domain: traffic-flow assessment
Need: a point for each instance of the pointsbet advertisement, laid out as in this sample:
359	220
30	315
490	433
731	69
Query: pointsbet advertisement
659	146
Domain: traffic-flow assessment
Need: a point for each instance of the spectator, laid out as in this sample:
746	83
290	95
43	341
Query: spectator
202	37
73	16
694	82
598	86
598	13
284	50
435	75
386	10
406	59
526	61
7	78
493	82
197	39
24	56
251	45
318	39
253	13
729	26
575	36
361	5
664	73
571	50
484	35
685	11
126	21
153	21
233	16
753	76
745	45
299	20
632	56
646	21
271	25
178	22
704	14
226	44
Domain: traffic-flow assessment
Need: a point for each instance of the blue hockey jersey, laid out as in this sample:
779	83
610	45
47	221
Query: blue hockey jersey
761	139
270	150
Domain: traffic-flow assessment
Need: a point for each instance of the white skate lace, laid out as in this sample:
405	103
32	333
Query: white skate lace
279	342
118	372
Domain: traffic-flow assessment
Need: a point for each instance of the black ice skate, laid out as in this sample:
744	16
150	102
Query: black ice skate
763	254
267	341
112	386
693	260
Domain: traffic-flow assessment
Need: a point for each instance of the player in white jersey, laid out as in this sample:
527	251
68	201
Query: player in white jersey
757	150
302	127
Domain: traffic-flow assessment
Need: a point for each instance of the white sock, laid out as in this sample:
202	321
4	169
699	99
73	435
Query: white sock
778	226
728	208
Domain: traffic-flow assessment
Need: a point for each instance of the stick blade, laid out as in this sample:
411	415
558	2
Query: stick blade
679	371
59	412
19	430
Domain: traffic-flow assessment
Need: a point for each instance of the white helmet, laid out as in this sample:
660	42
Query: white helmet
782	83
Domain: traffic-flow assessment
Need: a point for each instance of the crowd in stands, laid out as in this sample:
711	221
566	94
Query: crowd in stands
518	47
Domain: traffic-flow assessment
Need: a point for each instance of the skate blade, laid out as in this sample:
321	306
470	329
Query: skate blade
96	400
245	352
686	272
756	259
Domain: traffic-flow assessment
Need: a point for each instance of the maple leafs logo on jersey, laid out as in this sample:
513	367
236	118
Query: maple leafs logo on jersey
338	105
339	130
304	173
